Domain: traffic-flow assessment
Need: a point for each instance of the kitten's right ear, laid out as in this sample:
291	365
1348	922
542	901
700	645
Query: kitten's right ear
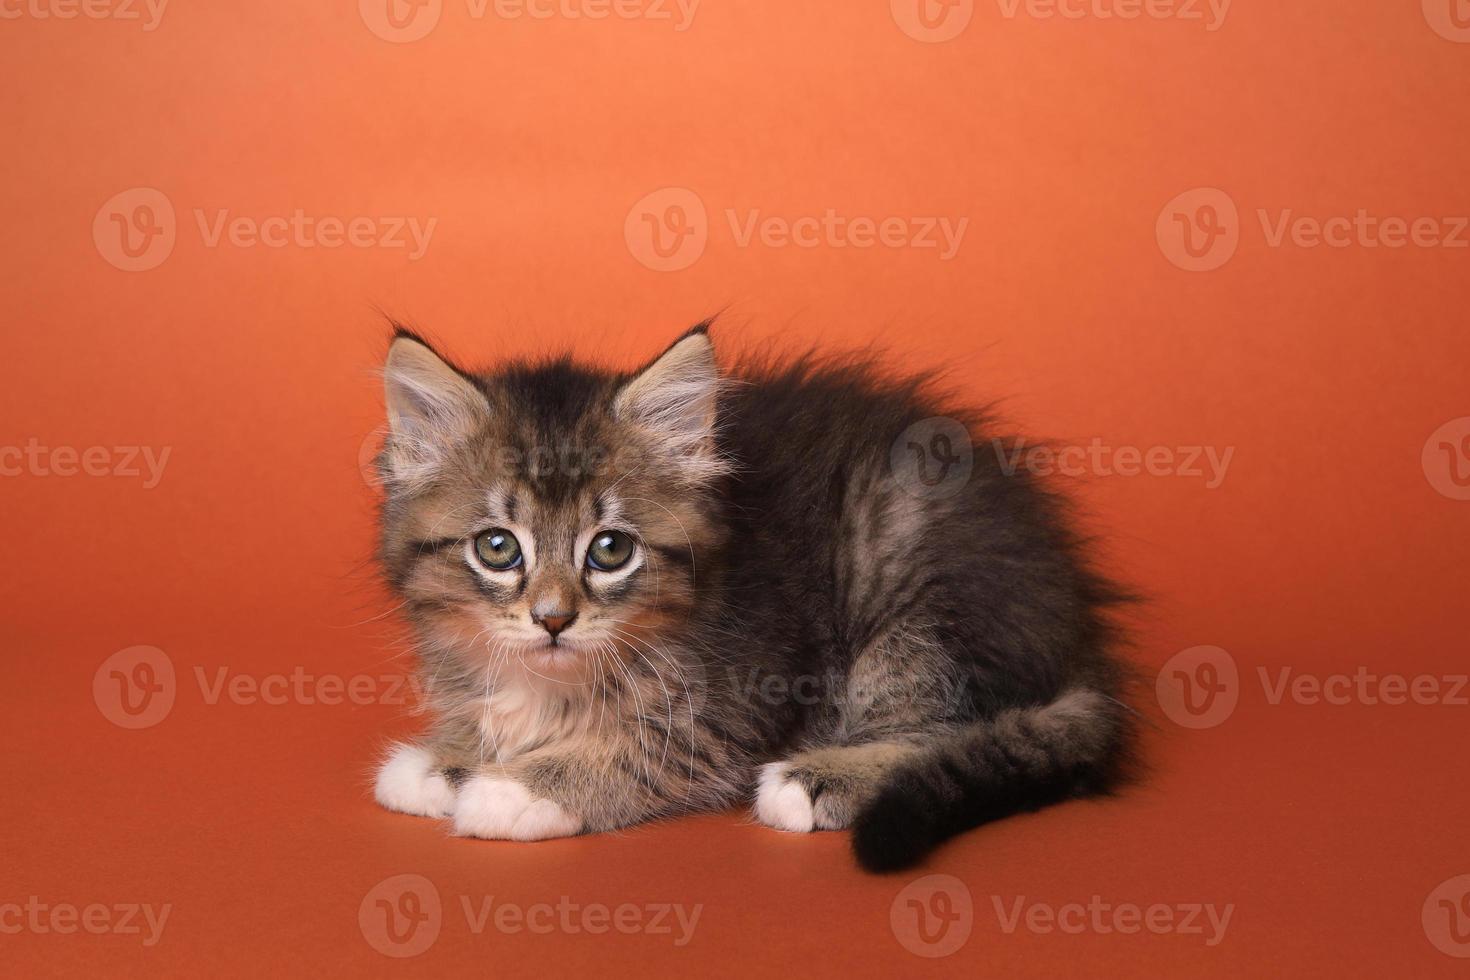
432	409
675	399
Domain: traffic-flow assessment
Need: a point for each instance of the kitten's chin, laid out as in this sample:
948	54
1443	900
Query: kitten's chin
561	661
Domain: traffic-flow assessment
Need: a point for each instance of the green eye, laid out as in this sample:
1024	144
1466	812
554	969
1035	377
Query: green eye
609	550
497	548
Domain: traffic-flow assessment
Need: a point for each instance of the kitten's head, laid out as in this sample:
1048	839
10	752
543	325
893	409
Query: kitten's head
541	516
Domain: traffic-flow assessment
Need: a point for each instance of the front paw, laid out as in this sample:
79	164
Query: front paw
409	782
502	809
782	802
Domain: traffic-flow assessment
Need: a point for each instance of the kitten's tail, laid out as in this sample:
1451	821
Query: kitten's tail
1021	759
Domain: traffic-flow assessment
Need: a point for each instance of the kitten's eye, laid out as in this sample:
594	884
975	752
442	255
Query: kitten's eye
610	550
497	548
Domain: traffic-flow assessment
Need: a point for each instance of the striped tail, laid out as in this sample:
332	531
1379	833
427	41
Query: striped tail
1019	760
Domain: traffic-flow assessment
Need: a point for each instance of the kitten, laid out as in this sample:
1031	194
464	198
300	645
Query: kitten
640	595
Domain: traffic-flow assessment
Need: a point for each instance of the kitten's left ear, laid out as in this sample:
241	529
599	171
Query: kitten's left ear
675	399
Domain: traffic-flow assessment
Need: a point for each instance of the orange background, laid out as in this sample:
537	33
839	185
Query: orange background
1325	549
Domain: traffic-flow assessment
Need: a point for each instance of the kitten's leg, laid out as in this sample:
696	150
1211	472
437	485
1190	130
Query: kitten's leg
899	694
411	780
824	789
502	807
595	783
421	777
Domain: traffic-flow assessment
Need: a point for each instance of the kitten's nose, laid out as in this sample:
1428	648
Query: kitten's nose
555	622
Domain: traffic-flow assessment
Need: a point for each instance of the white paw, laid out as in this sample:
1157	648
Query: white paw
502	809
408	783
783	803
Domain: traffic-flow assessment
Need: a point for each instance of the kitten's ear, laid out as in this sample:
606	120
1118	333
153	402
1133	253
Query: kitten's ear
675	399
432	408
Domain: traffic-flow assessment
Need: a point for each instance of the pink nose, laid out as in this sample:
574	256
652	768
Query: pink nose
556	622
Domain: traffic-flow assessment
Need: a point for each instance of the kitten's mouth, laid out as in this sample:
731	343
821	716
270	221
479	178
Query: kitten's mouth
552	656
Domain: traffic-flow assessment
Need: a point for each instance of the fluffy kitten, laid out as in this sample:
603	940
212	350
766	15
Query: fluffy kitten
639	595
